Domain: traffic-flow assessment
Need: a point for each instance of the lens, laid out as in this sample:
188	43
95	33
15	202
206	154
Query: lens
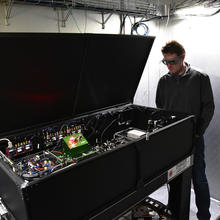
171	62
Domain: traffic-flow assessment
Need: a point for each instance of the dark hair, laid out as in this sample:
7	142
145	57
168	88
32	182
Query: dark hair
173	47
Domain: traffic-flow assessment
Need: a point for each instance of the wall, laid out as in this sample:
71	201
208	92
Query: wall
199	35
27	18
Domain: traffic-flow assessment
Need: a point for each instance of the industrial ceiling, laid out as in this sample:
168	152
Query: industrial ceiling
145	10
141	8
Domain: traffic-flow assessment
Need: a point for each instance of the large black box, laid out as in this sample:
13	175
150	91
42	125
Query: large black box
59	85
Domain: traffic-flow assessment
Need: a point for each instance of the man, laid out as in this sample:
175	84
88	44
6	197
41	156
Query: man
184	89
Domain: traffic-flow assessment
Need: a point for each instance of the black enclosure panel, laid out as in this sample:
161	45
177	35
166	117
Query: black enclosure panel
112	70
11	193
51	77
169	147
39	76
77	192
87	188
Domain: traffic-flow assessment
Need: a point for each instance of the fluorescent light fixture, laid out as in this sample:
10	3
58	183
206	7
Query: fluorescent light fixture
196	11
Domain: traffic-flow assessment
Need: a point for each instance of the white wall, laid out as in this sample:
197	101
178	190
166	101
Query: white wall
28	18
154	69
200	37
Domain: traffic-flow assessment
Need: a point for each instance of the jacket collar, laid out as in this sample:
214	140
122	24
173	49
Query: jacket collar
184	74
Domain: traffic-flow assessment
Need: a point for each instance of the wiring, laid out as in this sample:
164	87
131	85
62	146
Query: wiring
92	124
188	4
141	23
58	21
9	142
152	18
61	128
107	127
168	17
86	17
122	23
71	13
145	28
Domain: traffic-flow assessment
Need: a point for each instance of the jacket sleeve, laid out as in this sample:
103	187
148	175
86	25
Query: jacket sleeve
159	98
207	105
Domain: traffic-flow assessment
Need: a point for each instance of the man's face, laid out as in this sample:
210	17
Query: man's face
174	63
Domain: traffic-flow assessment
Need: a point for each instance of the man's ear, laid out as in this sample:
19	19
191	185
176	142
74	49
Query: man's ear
183	56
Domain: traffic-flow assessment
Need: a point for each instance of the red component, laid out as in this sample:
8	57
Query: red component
36	97
72	141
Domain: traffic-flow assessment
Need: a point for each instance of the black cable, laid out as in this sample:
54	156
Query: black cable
152	18
215	12
106	128
122	23
140	23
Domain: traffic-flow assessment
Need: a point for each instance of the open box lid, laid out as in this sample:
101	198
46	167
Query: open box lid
47	77
112	70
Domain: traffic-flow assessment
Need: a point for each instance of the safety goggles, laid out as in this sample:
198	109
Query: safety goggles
173	61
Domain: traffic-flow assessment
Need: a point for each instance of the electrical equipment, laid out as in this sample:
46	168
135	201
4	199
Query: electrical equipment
44	151
37	165
90	152
134	133
75	145
72	143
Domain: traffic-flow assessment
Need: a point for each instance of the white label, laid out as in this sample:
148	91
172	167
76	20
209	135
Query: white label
179	168
135	133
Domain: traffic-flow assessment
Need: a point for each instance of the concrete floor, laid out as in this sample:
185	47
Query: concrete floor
162	195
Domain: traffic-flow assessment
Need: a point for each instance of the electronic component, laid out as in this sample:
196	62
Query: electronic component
19	149
130	133
134	133
75	145
40	153
37	165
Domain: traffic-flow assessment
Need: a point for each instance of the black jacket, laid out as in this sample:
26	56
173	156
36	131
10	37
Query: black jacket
189	93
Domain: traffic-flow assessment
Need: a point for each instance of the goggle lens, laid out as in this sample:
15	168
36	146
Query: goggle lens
172	62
